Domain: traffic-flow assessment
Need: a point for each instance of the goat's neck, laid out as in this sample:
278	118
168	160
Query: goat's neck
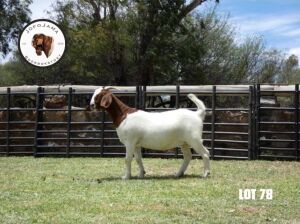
118	111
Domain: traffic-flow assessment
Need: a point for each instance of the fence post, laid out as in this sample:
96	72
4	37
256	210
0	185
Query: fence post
137	97
177	106
213	118
296	102
38	118
102	132
143	106
140	98
257	122
144	96
70	94
8	105
253	123
250	123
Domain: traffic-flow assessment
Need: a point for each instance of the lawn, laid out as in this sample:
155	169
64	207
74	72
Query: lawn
90	190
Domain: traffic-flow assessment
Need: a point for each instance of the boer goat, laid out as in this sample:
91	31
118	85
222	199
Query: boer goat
41	43
157	131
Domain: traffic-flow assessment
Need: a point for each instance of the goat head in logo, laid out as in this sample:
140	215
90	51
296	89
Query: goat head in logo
41	43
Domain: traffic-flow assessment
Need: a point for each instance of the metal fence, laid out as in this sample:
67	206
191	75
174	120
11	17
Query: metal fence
242	122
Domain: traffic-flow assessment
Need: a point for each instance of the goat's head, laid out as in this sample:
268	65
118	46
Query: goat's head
99	94
103	100
117	110
38	43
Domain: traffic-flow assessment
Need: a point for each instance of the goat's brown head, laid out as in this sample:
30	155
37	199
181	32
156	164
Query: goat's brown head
41	43
117	110
38	43
104	99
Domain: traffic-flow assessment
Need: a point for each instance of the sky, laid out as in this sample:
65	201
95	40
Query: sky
276	21
38	8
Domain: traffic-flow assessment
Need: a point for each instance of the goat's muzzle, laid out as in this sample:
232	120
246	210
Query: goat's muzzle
39	49
93	107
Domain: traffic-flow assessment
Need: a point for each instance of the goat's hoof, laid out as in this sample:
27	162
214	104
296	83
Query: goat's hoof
206	173
142	174
126	177
179	175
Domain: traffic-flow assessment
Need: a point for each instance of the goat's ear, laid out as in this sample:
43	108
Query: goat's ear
106	100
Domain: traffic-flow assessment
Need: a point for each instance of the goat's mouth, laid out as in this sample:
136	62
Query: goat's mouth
39	49
38	52
93	107
90	107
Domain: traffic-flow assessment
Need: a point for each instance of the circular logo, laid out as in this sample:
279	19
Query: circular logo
42	43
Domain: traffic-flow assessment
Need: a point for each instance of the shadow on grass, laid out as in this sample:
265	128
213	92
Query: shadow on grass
110	179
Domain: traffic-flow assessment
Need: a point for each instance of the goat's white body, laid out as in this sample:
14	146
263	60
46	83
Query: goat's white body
163	131
160	131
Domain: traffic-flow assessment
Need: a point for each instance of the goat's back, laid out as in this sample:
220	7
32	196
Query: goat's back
161	130
168	118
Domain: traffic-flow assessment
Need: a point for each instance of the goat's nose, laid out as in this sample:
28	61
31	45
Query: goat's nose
91	107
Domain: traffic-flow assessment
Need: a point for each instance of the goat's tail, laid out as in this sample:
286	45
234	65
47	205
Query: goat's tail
199	104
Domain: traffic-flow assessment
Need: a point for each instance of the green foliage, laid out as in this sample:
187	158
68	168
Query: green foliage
155	43
13	14
290	72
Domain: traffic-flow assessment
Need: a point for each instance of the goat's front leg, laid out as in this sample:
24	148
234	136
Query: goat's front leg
138	158
128	159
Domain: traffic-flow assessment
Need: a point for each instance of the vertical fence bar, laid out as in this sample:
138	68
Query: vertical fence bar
140	98
102	132
8	105
177	106
144	97
213	118
253	124
70	94
257	122
296	102
254	121
143	106
137	97
177	96
250	128
38	118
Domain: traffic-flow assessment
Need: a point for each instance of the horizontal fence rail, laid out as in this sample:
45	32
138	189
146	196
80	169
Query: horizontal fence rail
242	121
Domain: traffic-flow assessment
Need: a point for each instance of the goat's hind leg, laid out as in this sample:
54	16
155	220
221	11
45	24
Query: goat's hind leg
138	158
204	153
187	156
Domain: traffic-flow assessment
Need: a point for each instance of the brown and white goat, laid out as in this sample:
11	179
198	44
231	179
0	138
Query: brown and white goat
157	131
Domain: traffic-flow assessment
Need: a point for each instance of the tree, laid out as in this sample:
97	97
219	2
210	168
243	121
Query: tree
131	42
13	15
206	56
290	71
247	61
158	20
97	41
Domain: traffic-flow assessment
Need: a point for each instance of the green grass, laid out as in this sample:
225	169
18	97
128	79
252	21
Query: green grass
90	190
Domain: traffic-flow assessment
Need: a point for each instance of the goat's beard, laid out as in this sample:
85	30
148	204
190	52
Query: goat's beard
38	52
